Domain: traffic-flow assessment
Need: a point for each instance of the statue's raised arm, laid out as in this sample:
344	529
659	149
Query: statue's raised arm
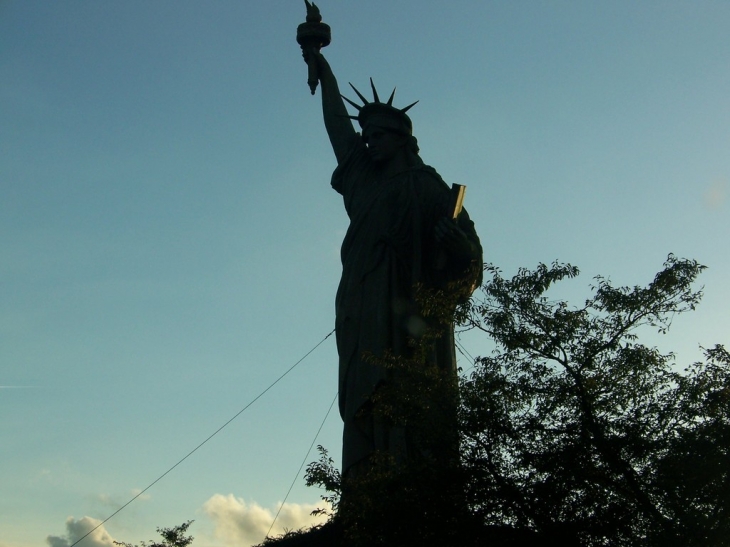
336	118
313	35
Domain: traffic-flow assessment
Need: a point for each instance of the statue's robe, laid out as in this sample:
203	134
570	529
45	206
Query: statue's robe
389	247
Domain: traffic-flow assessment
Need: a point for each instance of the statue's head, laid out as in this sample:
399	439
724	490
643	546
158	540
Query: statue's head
386	117
376	117
384	144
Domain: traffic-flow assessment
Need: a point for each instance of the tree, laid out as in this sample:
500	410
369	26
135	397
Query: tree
171	537
572	431
573	427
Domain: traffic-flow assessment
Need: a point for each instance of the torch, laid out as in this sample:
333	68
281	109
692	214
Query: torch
312	36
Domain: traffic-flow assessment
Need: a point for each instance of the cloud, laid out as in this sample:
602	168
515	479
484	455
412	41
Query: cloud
116	502
142	497
76	529
240	523
715	195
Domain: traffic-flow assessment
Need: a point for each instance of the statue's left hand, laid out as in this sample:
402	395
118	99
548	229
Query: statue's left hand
454	240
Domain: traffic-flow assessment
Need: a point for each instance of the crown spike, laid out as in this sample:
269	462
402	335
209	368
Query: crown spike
375	91
354	104
362	98
390	100
407	108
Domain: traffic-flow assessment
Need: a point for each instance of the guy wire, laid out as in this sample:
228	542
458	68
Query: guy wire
201	444
301	466
465	353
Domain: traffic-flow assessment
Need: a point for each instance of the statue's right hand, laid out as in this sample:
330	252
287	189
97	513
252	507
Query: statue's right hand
313	53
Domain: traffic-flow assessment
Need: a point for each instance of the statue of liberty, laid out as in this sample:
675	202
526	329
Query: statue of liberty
402	235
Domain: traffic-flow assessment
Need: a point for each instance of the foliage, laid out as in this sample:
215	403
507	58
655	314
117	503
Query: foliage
573	426
323	474
171	537
572	432
391	503
315	535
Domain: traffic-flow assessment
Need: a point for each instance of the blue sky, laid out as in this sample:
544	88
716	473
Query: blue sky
169	240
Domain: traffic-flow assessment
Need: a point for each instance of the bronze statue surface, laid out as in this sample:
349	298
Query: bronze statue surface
401	235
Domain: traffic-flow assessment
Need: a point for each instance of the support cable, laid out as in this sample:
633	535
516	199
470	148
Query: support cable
201	444
465	353
301	466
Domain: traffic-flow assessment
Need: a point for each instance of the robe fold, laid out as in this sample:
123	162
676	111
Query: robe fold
389	247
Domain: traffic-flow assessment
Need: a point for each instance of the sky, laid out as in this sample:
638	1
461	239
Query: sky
169	241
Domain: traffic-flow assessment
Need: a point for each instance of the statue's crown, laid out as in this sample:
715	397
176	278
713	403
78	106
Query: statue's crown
381	114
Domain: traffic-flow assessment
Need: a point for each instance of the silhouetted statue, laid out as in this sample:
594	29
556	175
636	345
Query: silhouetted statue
401	234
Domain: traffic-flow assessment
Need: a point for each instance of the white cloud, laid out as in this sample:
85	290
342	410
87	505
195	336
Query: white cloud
76	529
142	497
716	194
116	502
240	523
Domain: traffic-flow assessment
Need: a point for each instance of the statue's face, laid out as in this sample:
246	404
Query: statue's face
383	145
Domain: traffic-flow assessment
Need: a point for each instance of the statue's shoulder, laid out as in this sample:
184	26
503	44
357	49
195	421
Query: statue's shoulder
429	177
